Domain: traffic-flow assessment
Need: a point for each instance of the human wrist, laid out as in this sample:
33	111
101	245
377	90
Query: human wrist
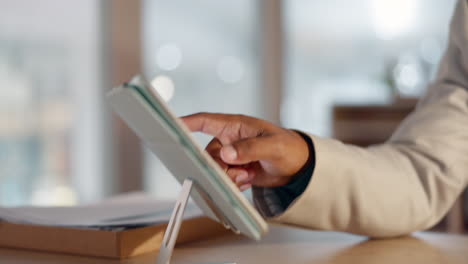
309	161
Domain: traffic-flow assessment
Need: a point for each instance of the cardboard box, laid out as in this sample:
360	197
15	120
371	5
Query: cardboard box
101	243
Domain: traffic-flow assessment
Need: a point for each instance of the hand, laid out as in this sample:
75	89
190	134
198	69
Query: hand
251	151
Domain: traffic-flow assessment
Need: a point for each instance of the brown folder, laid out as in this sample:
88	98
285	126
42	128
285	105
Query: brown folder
102	243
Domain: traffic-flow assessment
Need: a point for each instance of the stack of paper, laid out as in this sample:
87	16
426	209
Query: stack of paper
128	210
121	227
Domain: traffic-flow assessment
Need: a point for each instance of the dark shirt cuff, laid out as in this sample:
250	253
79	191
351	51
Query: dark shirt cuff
288	193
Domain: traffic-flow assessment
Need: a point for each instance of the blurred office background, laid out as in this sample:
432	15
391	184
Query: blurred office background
308	65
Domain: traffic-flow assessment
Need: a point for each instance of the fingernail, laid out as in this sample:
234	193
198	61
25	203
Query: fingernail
228	153
242	177
245	187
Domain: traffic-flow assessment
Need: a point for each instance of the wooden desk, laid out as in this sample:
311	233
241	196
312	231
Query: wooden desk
289	245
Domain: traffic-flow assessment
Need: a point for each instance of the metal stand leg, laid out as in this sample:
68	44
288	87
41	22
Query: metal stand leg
172	230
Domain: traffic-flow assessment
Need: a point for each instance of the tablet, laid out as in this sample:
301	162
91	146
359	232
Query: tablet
146	113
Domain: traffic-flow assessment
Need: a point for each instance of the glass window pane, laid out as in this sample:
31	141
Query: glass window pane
49	102
205	55
356	52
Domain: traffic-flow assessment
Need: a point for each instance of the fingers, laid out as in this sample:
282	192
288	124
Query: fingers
225	127
237	174
242	177
242	140
213	148
245	187
253	149
208	123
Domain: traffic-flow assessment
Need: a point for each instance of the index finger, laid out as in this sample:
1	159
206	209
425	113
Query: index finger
208	123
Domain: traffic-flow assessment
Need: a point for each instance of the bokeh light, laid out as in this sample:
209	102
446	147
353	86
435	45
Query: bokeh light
164	86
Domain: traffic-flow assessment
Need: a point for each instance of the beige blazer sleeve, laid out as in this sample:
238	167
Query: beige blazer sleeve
408	183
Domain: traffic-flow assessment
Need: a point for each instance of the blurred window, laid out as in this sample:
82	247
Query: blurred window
49	102
204	57
357	52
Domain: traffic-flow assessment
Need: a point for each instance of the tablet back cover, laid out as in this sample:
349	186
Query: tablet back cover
166	143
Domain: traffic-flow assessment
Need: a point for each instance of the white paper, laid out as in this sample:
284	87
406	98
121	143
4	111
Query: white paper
124	210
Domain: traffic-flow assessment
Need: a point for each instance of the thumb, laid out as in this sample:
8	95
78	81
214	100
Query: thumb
250	149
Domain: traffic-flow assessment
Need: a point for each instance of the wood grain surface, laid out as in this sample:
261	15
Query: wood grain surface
289	245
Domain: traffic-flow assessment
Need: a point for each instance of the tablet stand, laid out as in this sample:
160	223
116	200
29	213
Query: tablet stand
173	227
